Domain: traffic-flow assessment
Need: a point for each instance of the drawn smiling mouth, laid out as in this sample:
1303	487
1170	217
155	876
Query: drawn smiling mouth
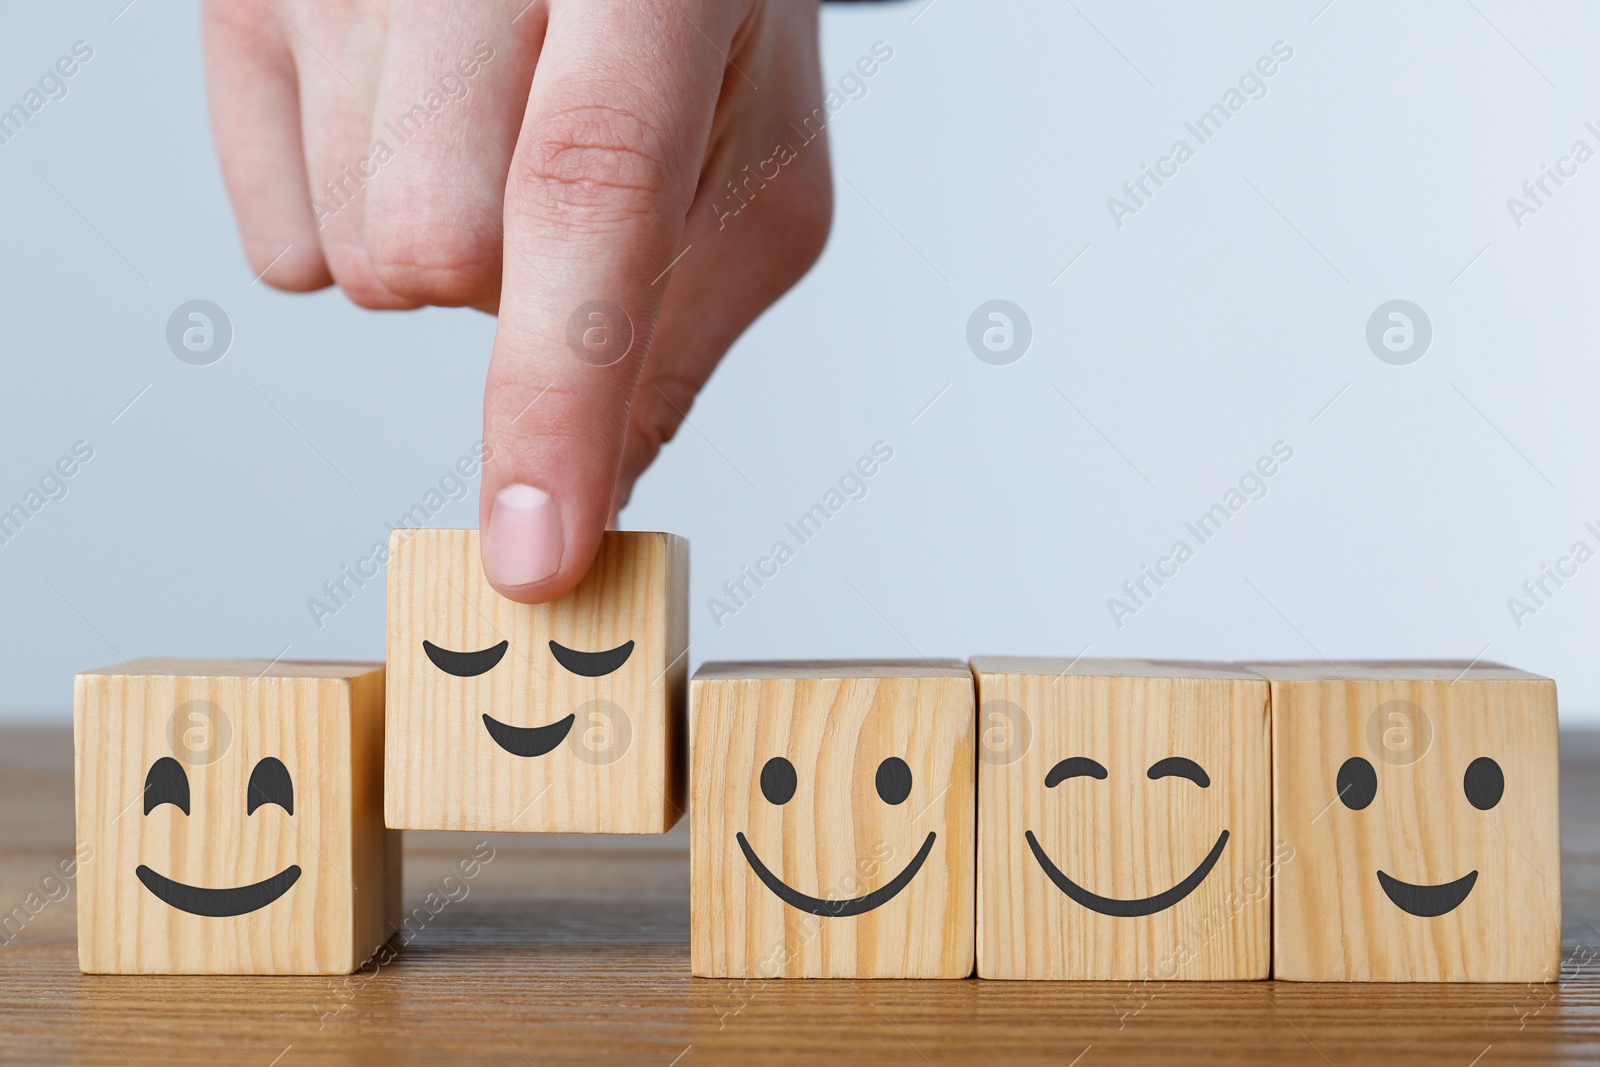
528	740
218	903
1128	909
836	908
1427	901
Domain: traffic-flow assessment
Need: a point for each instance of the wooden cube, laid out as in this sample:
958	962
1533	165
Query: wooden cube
564	717
832	820
230	818
1123	820
1418	806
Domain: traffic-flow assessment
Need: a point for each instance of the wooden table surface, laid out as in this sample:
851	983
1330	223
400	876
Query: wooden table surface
576	950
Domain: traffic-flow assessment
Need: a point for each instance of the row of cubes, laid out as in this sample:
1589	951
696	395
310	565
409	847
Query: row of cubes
1010	817
1132	820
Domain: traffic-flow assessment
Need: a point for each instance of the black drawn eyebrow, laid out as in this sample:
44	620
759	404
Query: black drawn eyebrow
270	784
1076	767
592	664
1182	767
167	783
466	664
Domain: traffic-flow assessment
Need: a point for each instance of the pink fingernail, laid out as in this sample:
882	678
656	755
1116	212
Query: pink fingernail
523	542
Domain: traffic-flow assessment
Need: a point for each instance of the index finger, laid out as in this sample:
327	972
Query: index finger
605	170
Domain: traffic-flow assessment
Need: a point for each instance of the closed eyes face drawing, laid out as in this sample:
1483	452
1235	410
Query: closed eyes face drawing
1169	767
528	716
529	740
1125	815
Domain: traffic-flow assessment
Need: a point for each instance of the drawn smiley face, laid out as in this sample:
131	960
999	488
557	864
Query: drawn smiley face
1484	783
894	785
168	783
528	741
1171	766
834	820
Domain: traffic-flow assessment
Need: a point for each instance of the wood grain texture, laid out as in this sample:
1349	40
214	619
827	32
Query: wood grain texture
619	768
836	838
1125	836
324	723
575	950
1419	730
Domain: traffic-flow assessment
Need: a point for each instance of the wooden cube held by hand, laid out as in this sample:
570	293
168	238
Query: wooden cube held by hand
563	717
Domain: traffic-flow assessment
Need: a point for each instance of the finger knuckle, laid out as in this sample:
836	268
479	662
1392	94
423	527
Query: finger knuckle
292	269
790	218
640	450
436	262
527	401
373	296
661	406
806	224
246	18
590	159
535	405
352	269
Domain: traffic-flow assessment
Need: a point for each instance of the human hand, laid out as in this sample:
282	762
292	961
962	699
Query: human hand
570	152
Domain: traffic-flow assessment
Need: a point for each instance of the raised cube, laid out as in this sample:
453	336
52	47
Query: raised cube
561	717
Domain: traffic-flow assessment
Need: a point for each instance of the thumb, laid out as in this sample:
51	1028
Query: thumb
604	172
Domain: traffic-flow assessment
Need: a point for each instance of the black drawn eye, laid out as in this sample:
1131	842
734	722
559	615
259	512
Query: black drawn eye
592	664
1075	767
1358	783
894	780
1484	784
1181	767
167	783
777	780
270	784
465	664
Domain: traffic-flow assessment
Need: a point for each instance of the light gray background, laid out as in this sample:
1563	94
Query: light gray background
1227	314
